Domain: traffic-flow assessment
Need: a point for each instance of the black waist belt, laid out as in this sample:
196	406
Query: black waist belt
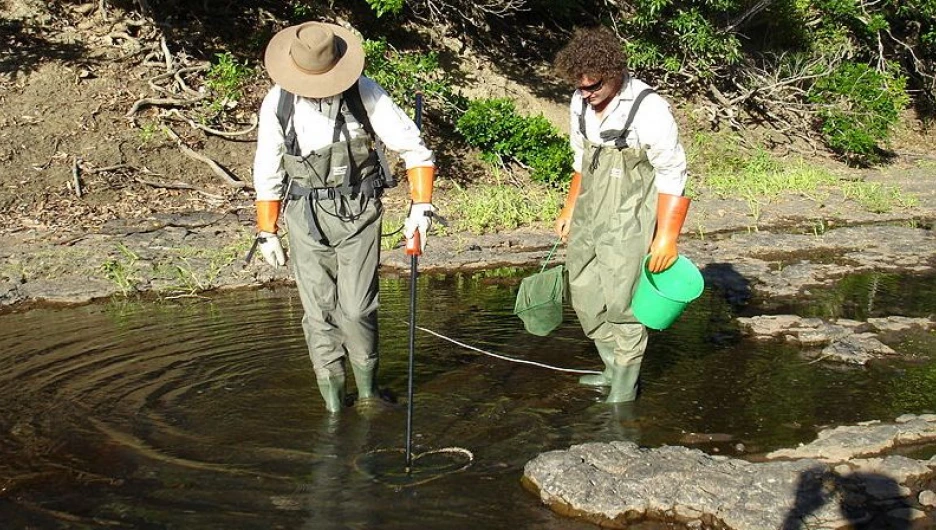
297	191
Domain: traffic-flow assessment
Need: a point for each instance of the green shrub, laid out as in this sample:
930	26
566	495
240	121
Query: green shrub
382	7
226	78
403	73
666	35
495	127
860	106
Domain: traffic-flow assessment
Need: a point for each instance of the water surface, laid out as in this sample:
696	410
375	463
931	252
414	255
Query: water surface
204	413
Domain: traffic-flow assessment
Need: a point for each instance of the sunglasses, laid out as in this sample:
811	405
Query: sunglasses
592	88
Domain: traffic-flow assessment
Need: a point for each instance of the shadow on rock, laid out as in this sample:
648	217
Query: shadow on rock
724	277
866	500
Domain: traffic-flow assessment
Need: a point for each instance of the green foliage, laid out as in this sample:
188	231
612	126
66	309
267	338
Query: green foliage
226	78
495	127
301	10
758	177
664	35
403	73
860	106
504	206
122	270
382	7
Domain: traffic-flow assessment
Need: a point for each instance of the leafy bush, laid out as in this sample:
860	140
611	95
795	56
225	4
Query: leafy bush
226	78
382	7
494	127
860	106
667	35
403	73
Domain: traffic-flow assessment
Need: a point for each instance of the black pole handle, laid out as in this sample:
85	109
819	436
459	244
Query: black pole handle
414	262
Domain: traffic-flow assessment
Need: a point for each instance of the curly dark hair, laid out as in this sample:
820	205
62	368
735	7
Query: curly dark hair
594	51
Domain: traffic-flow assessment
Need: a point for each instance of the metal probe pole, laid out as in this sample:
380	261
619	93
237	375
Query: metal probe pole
413	249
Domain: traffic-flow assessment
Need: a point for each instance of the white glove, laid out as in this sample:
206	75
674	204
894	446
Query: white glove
420	218
271	249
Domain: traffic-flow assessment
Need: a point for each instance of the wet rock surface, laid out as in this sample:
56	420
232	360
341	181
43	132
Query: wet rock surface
843	340
843	479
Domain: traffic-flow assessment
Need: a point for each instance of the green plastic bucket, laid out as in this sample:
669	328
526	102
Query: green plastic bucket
662	296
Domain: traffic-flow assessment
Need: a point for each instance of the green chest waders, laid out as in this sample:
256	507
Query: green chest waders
334	218
612	227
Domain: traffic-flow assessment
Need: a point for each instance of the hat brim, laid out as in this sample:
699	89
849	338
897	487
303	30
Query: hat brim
284	72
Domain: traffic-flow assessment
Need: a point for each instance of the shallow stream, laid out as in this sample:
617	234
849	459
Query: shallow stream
203	413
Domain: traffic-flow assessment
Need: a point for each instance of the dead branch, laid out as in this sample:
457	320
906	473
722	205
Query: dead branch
226	134
76	176
225	175
160	102
178	185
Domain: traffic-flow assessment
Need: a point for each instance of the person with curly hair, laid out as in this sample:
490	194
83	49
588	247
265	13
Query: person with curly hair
625	200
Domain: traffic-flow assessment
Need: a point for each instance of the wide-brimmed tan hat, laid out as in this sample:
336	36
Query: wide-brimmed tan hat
315	59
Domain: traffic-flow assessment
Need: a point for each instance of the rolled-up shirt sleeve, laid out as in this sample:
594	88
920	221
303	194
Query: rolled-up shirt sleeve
268	172
660	136
397	131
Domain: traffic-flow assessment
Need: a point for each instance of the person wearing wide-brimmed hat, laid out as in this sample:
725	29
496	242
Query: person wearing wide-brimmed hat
316	154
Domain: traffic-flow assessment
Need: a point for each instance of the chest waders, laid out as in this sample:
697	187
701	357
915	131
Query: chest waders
612	227
333	214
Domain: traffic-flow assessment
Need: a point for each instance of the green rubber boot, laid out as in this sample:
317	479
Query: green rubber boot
606	352
623	383
364	379
333	390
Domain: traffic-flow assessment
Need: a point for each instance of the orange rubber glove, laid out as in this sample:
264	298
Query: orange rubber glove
564	221
267	216
270	247
671	213
417	224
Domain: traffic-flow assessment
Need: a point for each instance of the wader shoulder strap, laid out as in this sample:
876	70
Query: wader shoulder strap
352	99
630	117
633	111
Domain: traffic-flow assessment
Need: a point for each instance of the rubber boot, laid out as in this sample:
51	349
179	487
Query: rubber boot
606	352
623	383
364	379
333	390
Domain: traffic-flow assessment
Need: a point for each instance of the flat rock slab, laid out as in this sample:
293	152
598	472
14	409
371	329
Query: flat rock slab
618	483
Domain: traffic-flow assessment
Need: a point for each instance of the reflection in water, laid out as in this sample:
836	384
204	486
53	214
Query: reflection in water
205	414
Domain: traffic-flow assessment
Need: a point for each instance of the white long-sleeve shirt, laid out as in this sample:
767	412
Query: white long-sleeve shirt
314	121
654	129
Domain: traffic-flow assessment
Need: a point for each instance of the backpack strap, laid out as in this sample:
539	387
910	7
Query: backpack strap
284	113
351	98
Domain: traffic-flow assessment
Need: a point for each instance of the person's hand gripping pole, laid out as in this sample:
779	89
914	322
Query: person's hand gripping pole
671	214
564	221
419	220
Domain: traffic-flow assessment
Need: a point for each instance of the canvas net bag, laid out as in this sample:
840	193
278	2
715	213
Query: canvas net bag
539	300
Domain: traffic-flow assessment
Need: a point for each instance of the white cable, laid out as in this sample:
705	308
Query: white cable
505	358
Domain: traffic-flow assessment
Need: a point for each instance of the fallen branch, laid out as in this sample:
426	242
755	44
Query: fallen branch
216	132
160	102
76	176
178	185
225	175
